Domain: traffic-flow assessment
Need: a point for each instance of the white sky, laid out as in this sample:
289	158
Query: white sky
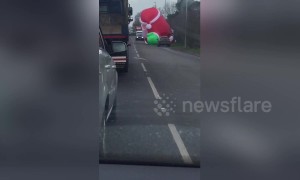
139	5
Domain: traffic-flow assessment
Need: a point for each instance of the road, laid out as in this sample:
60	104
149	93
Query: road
149	125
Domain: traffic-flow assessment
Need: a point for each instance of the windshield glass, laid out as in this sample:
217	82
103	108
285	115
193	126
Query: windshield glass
150	109
139	33
112	6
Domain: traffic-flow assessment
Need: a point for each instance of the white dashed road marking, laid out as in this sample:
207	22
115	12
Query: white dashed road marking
143	66
175	134
156	95
181	147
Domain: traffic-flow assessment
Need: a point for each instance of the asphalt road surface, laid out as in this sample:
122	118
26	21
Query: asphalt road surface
149	125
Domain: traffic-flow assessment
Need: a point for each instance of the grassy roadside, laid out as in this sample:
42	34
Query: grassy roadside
180	47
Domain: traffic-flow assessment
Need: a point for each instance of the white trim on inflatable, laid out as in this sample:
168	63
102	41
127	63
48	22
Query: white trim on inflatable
149	26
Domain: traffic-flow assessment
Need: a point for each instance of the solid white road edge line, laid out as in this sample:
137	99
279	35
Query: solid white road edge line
181	147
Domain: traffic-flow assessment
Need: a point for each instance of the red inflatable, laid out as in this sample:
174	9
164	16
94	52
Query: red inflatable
153	22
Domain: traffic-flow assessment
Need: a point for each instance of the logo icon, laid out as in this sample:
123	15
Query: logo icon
165	106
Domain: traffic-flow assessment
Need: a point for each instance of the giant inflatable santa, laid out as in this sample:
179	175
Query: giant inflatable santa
154	25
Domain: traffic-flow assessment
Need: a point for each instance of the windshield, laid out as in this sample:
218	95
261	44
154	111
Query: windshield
151	106
139	33
112	6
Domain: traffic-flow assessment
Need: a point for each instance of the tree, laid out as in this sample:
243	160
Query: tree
178	19
168	9
136	21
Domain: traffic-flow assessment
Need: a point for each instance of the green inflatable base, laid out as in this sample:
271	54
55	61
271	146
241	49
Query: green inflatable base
152	38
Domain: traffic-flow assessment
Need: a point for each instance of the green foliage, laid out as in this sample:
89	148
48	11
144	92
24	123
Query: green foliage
179	24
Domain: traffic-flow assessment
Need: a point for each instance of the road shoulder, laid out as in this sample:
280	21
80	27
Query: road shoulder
190	51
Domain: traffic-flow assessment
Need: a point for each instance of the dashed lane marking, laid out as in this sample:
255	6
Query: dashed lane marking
181	147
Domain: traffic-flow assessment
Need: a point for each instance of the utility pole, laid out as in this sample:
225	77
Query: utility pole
186	18
165	6
155	4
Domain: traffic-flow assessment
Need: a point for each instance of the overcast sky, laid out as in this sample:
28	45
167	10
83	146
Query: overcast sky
139	5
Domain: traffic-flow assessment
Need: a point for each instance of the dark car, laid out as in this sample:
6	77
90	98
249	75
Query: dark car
164	40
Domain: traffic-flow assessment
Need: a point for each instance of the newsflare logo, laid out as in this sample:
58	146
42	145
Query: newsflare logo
165	106
236	104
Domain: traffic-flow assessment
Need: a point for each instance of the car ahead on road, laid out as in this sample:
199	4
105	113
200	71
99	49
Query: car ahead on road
108	78
164	40
139	36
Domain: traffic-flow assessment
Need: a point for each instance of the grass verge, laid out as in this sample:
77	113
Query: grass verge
180	47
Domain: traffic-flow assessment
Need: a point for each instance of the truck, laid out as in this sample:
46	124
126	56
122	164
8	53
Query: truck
114	17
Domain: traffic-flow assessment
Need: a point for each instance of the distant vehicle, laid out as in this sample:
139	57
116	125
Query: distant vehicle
139	36
115	15
164	40
138	28
108	80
